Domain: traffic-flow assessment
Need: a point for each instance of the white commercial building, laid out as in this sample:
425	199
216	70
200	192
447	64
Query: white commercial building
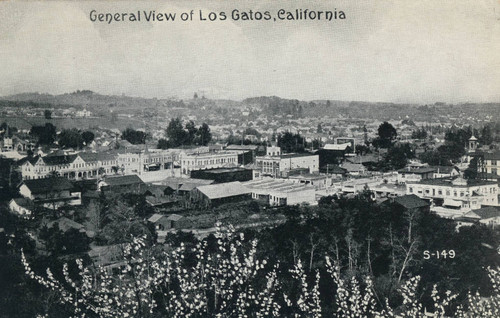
72	166
456	192
281	192
210	160
278	166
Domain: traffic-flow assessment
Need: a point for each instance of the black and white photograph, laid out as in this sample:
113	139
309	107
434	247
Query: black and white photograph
250	159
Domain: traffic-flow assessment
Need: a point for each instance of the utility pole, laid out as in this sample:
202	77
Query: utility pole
10	175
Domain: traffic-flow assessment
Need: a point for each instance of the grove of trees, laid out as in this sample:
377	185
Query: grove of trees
453	149
189	134
135	137
74	138
46	134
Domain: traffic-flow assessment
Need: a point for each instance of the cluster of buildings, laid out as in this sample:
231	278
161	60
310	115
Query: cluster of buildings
451	195
213	175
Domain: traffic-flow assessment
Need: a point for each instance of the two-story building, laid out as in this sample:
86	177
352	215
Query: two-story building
492	163
137	162
51	192
210	160
82	165
456	192
281	165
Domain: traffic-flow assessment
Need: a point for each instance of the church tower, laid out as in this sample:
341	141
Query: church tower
472	144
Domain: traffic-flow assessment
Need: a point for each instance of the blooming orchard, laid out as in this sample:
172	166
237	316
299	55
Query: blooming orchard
229	280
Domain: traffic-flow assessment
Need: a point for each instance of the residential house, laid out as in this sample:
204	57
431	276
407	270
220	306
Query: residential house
351	142
492	163
160	221
445	171
386	190
22	206
487	215
51	192
415	174
408	203
159	196
109	257
354	169
178	222
188	185
128	183
366	160
65	224
334	171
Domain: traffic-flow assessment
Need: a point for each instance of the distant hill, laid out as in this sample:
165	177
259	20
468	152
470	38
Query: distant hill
82	99
273	105
265	105
95	101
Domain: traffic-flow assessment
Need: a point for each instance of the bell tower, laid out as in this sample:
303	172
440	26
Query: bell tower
472	144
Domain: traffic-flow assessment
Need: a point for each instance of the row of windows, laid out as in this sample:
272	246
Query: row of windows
128	159
40	169
267	170
455	193
268	163
208	161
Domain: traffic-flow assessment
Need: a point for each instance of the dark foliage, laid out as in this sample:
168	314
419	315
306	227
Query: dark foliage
46	134
135	137
70	138
291	143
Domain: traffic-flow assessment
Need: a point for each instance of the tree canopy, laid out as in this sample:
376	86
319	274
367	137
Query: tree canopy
74	138
179	135
46	134
135	137
386	135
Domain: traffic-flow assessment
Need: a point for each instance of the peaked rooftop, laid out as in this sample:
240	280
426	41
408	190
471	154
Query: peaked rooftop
123	180
223	190
411	201
45	185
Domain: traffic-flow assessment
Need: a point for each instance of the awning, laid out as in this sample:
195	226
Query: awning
453	203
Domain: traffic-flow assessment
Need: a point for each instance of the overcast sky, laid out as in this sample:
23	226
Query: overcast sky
395	51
